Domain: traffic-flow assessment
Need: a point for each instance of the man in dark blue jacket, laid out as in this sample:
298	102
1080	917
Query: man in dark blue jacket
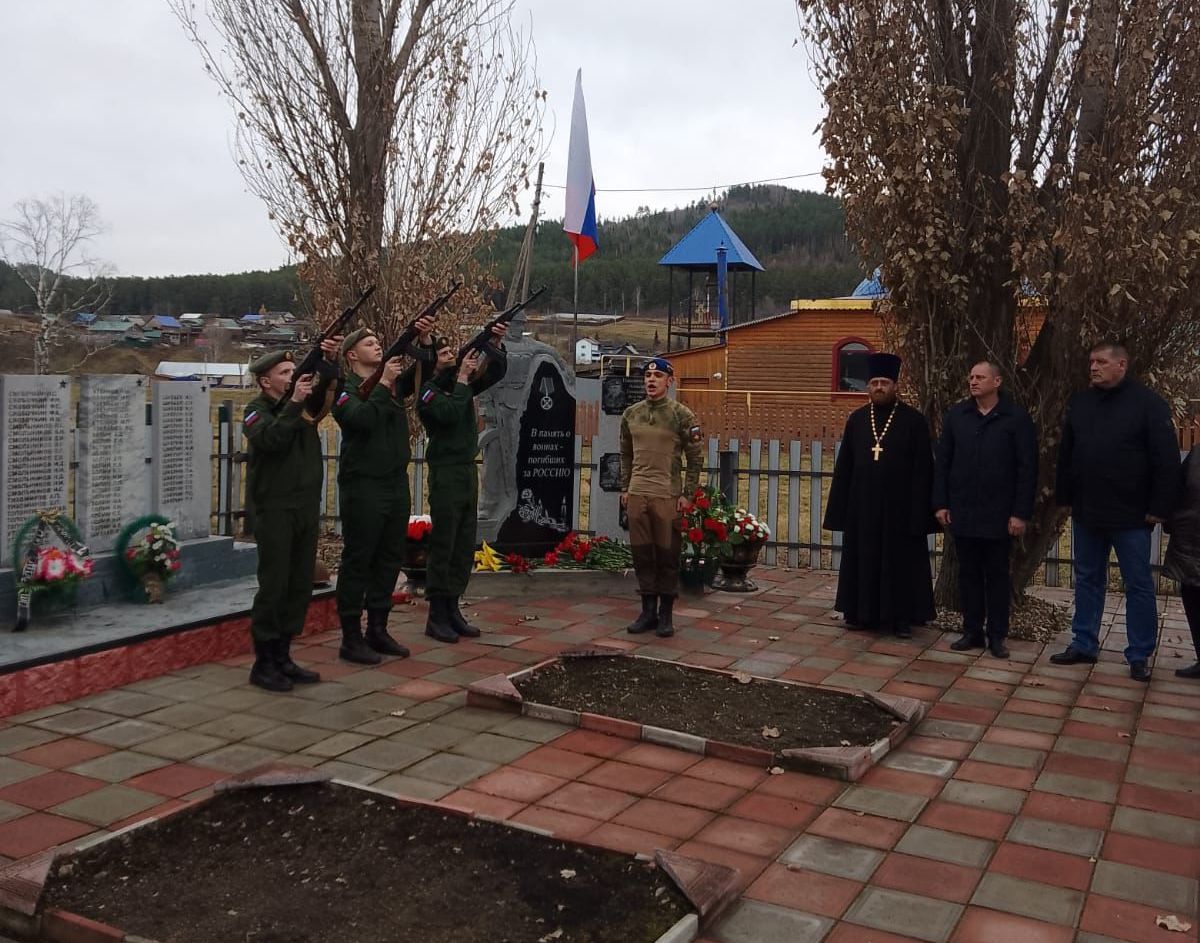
983	489
1118	470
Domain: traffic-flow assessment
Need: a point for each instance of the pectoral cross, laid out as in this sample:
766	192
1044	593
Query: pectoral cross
877	450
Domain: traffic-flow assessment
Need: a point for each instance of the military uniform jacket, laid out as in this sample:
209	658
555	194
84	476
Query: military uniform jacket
448	413
285	465
655	435
375	435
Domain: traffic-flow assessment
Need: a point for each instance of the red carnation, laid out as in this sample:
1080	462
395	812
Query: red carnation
696	535
551	558
703	503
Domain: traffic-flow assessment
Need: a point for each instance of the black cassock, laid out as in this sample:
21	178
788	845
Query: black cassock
884	512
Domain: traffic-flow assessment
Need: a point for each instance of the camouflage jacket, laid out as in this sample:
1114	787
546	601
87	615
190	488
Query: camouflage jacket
655	435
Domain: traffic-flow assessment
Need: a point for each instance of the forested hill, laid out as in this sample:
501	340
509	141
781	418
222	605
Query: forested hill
797	236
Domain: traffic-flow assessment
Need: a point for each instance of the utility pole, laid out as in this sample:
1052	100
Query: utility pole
518	287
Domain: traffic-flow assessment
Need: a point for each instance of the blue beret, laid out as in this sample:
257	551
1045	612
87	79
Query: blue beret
661	364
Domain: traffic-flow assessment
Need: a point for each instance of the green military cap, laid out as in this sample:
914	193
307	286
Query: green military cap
264	363
354	337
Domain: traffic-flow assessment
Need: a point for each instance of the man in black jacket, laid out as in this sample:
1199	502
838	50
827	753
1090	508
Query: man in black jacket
983	490
1118	469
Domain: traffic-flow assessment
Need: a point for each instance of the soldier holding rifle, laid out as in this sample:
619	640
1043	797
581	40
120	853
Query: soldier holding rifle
446	407
373	492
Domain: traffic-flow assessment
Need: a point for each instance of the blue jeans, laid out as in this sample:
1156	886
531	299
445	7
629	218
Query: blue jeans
1090	549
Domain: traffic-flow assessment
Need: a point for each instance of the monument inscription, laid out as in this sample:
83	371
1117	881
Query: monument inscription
181	443
111	487
34	451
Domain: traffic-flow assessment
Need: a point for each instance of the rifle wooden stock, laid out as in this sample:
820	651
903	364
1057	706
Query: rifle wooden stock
403	343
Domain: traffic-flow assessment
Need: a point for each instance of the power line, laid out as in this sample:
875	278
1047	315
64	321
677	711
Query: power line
717	186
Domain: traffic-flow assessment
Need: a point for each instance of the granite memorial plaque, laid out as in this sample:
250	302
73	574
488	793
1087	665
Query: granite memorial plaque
181	456
34	450
112	487
622	385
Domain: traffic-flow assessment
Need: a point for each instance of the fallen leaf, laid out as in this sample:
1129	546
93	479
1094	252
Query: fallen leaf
1123	735
741	677
1171	922
566	874
397	713
1036	684
550	936
525	618
860	814
1103	708
771	733
845	743
773	638
776	771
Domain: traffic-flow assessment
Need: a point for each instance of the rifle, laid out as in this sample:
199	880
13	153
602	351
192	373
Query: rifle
481	340
403	343
314	356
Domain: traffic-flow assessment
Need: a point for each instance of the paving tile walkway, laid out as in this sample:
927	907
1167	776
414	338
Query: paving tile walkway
1034	803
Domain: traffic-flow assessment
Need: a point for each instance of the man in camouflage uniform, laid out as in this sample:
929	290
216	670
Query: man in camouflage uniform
655	435
373	494
284	483
446	408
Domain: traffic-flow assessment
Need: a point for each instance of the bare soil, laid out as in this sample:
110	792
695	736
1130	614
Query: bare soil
708	703
1034	620
330	864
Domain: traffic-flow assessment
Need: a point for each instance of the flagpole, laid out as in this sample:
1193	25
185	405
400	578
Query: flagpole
575	312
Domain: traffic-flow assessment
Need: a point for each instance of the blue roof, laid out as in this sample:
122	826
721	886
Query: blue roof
698	249
253	318
85	317
871	286
165	321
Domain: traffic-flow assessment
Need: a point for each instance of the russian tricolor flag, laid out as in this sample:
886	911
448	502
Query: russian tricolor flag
579	223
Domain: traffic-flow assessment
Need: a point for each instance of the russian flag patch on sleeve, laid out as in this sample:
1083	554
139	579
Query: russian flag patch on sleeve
341	399
252	418
429	394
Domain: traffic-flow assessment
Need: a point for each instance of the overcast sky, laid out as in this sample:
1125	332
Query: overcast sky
114	103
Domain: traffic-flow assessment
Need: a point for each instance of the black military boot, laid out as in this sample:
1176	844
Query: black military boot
288	668
437	625
353	648
378	638
265	673
457	620
648	619
666	627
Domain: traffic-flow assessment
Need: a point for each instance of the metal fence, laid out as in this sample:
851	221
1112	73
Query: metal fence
785	484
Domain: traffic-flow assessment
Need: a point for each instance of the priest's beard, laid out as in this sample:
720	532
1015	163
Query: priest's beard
883	397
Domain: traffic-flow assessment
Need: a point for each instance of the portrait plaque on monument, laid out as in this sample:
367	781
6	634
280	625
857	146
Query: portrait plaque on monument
610	471
111	484
181	450
34	451
618	392
545	460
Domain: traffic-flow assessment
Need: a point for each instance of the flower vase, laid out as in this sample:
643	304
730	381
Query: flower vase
695	574
735	567
154	587
416	558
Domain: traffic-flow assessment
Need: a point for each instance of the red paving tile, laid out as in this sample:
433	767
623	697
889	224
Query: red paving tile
1093	702
728	772
407	668
593	744
850	933
593	801
656	757
1037	708
1152	854
178	779
58	754
680	821
1049	867
990	926
1069	811
845	825
37	832
804	890
419	689
748	866
564	763
993	774
922	692
519	785
1159	800
1166	759
1089	767
898	780
1125	921
492	806
945	749
1029	739
751	838
775	810
41	792
1099	732
927	877
1177	728
699	792
966	820
561	824
962	713
616	774
629	840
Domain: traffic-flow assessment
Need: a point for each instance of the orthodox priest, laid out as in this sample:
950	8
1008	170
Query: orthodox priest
880	500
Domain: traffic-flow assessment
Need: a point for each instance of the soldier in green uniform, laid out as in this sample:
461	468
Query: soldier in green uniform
447	411
284	482
655	435
373	494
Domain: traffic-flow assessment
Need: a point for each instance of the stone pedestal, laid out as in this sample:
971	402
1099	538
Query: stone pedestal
34	451
112	487
621	386
181	456
527	501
